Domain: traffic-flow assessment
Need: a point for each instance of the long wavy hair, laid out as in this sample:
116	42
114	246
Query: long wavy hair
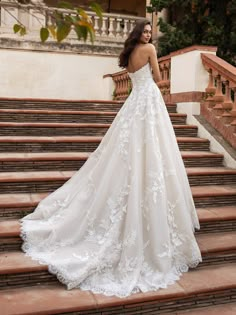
132	40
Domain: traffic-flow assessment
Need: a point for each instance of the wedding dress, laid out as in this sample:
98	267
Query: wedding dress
124	223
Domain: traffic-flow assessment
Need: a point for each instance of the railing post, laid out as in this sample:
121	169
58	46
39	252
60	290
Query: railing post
96	27
210	91
111	27
125	31
233	111
218	97
228	104
104	26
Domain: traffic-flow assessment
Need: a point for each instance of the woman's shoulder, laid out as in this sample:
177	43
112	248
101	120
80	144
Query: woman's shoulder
149	48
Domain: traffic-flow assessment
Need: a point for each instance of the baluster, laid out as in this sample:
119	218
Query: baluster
233	113
218	97
131	26
96	26
125	30
118	28
122	87
165	72
227	105
104	26
210	91
114	78
111	27
119	87
161	71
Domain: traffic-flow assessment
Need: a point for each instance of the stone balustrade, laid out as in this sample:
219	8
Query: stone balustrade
219	106
123	84
110	28
164	84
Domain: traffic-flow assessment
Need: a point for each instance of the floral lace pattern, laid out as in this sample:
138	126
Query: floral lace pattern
124	222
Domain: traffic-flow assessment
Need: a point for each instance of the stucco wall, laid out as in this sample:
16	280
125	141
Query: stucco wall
188	73
30	74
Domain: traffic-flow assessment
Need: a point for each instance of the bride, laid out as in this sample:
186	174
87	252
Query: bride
124	223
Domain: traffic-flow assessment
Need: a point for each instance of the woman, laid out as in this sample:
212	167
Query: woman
124	222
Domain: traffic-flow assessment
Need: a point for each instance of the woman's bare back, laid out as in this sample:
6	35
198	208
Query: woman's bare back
138	58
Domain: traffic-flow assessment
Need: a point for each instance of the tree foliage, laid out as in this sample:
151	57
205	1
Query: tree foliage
60	22
197	22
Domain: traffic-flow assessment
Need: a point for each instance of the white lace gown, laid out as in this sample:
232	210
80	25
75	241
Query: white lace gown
124	223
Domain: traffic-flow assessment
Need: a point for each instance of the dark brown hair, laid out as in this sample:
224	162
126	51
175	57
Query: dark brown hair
132	41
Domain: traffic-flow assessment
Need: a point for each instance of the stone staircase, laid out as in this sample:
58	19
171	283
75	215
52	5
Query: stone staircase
42	143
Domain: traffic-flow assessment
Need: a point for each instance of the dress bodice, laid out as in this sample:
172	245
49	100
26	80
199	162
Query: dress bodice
141	76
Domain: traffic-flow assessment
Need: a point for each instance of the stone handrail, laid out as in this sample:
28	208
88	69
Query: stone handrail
123	84
219	107
110	28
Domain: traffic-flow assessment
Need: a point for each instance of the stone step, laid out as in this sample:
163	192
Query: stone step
212	220
31	115
197	288
73	129
214	195
70	116
60	104
220	309
47	181
16	205
78	143
17	269
68	105
211	175
12	162
217	219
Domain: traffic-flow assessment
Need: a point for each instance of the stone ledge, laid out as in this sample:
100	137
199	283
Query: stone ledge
192	48
111	49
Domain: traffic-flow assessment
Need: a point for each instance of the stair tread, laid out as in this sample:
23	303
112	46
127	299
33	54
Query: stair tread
56	100
210	170
32	199
54	139
216	213
67	112
57	175
213	190
16	156
50	139
208	243
12	227
71	125
21	199
224	213
43	156
216	242
53	124
55	299
56	111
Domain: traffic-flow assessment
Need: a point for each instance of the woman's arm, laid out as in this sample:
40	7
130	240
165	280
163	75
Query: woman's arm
154	63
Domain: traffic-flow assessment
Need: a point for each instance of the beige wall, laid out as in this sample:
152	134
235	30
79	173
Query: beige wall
26	74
